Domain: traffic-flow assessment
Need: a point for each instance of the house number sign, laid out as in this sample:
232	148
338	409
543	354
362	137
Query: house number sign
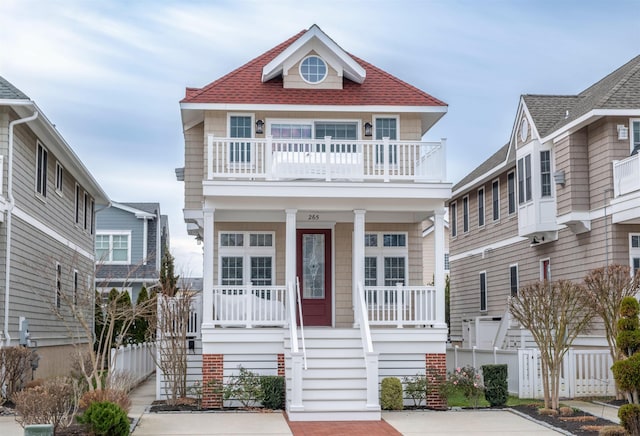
313	217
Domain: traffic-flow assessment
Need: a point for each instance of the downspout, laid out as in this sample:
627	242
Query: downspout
7	267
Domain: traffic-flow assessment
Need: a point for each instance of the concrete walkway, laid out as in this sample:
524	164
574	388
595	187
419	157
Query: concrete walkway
599	410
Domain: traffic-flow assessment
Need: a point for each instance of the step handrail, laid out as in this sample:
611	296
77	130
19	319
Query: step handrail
363	320
304	348
293	329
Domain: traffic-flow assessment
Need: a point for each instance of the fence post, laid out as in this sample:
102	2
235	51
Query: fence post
495	355
455	356
473	356
249	306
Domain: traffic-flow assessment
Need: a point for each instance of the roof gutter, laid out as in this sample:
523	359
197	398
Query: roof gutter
7	273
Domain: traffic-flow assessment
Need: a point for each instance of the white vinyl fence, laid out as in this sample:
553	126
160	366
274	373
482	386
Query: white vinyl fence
134	361
585	373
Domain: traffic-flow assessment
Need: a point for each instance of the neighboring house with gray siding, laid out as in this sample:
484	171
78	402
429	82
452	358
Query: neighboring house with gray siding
130	241
561	198
47	204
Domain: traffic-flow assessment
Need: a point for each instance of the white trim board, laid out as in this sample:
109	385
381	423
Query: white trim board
482	250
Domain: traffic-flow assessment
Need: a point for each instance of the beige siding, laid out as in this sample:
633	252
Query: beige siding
428	253
293	79
194	168
572	158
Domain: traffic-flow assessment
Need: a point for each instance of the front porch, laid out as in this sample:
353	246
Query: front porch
625	201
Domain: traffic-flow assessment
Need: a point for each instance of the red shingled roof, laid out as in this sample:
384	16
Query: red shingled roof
244	86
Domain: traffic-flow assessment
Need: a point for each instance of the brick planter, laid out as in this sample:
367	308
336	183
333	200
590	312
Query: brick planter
436	366
212	373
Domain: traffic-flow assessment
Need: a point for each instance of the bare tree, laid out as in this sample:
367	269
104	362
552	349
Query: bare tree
555	313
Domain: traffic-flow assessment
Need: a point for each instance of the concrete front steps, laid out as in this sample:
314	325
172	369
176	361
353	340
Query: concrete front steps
334	385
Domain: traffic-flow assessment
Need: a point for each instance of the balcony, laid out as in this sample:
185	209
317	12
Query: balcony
325	159
625	205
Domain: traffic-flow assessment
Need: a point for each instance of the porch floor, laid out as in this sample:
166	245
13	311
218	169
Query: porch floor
352	428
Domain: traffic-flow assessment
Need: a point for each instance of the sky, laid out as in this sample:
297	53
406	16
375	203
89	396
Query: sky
110	74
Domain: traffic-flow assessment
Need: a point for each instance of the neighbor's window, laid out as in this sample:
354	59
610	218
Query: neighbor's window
446	261
113	248
465	214
635	135
483	291
513	280
58	295
453	215
77	204
511	191
495	199
524	179
59	173
545	173
634	252
480	207
41	170
313	69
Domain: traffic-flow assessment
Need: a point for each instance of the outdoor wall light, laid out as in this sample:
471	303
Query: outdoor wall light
259	127
367	129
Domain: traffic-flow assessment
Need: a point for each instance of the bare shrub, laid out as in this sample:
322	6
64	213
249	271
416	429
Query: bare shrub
53	402
566	411
16	362
547	412
118	397
120	381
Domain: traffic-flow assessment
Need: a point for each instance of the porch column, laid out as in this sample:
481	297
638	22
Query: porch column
439	266
290	247
207	269
357	257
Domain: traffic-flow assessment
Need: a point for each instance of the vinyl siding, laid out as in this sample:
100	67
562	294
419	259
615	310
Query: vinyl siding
293	79
113	218
194	164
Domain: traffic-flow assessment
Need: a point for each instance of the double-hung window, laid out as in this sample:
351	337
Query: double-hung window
513	279
524	179
635	135
495	199
481	207
453	215
545	173
385	259
483	291
41	170
77	205
386	128
511	192
87	214
113	247
59	180
465	214
634	252
246	257
240	126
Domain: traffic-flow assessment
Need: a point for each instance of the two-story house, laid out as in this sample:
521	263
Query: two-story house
307	180
48	201
131	239
558	200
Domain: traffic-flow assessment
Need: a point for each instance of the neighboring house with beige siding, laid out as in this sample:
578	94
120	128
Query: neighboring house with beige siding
559	199
307	165
48	201
429	253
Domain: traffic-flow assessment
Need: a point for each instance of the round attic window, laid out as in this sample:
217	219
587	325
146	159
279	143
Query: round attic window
524	130
313	69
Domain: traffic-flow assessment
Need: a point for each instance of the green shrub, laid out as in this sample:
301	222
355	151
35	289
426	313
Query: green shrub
272	392
629	415
106	419
496	390
391	394
627	373
416	388
244	387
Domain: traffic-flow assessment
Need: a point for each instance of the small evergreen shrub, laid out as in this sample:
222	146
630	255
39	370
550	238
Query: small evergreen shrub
106	419
416	388
391	394
272	392
629	415
496	390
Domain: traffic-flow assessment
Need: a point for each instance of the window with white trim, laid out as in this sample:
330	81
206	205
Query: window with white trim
524	179
634	124
92	216
58	290
113	247
481	207
511	192
513	279
495	200
386	128
386	257
483	291
446	261
545	173
313	69
545	269
86	214
59	179
465	214
77	204
240	126
246	257
41	169
453	215
75	286
634	252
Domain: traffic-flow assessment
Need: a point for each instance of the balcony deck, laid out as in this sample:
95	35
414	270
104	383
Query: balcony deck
274	159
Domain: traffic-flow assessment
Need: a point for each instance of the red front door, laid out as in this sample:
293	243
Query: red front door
314	273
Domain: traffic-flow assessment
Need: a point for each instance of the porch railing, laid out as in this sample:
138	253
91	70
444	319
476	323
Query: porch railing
327	159
626	175
401	305
248	306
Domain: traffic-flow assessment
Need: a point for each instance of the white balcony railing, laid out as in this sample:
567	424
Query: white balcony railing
626	175
267	306
325	159
401	305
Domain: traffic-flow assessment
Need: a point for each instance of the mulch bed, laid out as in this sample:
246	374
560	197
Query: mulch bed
581	423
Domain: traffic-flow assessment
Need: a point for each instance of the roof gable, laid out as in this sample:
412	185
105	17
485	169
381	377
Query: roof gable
140	210
10	92
315	39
